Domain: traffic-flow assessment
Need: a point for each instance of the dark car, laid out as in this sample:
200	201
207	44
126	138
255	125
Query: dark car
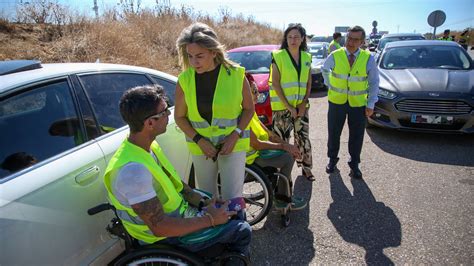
394	37
425	86
257	60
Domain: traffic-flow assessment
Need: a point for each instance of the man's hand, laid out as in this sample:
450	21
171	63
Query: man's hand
292	150
369	112
220	215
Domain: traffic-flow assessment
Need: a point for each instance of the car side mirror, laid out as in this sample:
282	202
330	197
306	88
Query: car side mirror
371	48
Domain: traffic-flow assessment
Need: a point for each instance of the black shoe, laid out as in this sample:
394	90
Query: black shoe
331	167
356	173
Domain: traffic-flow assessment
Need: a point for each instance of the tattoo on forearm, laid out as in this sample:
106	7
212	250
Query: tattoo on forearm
150	211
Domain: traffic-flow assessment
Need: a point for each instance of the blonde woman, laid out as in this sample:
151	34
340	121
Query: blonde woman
213	108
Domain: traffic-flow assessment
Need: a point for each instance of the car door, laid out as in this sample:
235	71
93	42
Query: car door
50	175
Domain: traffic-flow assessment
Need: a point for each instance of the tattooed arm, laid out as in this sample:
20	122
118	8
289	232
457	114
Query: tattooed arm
191	196
151	212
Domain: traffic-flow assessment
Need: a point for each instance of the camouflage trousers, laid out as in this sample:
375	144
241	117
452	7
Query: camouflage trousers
283	124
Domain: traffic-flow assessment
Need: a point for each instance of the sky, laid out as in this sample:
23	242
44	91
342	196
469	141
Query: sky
320	16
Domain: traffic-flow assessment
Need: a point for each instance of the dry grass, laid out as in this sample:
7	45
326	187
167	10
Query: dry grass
145	38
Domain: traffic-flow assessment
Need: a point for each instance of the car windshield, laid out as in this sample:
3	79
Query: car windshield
255	62
317	51
435	56
386	40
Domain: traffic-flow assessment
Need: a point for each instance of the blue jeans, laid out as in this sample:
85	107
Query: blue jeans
236	235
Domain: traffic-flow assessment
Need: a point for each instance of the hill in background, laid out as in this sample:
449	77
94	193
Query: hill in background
144	38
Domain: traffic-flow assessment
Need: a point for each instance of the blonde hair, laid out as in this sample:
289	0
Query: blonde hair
204	36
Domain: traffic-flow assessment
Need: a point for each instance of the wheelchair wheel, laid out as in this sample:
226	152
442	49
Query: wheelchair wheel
158	256
258	194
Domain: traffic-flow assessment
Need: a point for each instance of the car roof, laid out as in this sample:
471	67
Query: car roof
401	35
56	70
420	42
317	43
250	48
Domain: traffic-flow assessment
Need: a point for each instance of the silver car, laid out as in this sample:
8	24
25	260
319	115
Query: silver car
319	52
60	125
425	86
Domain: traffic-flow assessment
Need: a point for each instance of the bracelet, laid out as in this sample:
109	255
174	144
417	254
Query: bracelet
197	137
210	219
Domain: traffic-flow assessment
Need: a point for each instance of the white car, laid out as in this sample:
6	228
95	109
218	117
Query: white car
319	52
60	125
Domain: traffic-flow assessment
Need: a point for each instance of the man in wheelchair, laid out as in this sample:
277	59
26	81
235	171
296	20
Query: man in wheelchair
268	150
152	202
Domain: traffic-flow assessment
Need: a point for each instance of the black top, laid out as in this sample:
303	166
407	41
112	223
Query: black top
205	88
295	65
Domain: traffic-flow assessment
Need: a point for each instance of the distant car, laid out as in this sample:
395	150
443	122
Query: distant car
319	52
373	41
257	60
60	126
425	86
393	37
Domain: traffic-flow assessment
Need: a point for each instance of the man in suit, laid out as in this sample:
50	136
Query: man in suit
352	78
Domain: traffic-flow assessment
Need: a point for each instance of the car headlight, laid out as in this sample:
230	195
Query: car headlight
386	94
262	97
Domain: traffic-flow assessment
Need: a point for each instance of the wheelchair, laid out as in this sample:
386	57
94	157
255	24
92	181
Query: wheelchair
162	254
258	192
260	187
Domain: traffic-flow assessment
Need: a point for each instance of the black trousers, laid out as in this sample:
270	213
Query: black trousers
356	120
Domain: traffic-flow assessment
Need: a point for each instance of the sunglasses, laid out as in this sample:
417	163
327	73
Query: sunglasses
160	114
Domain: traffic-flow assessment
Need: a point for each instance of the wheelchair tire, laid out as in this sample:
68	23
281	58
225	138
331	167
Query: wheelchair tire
158	256
258	194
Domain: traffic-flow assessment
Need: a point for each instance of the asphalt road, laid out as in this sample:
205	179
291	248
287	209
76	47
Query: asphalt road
414	206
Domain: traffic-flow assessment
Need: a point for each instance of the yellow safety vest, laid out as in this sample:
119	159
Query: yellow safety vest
260	133
226	108
293	88
346	83
172	185
333	42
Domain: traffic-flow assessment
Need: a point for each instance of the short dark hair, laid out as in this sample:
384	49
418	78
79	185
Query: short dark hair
446	31
336	35
139	103
357	29
292	26
17	161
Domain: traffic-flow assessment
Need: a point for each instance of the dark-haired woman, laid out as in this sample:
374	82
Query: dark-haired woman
290	89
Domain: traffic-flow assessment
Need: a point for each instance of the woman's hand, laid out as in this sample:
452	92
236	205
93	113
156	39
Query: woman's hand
228	143
301	109
293	112
207	148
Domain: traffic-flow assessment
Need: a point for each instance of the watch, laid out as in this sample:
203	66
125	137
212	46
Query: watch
239	131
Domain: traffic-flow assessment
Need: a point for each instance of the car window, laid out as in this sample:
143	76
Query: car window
105	90
447	57
317	52
37	124
254	62
168	86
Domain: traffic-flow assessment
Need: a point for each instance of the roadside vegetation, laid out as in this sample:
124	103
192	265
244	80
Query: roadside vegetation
126	34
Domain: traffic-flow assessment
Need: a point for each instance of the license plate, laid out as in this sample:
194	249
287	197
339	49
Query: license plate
432	119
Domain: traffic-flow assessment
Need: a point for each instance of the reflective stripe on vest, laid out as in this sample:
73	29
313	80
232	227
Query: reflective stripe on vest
260	133
171	186
226	108
346	83
293	89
